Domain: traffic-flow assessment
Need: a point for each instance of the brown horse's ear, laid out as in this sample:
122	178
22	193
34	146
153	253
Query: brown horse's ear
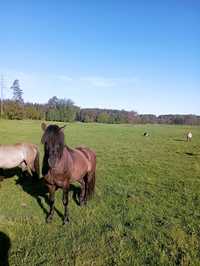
43	126
62	128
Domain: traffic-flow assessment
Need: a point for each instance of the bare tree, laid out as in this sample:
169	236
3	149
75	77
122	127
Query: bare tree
17	92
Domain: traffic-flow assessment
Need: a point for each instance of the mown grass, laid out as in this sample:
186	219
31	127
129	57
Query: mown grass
146	209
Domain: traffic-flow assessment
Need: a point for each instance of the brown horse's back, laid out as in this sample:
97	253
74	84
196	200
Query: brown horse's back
80	162
91	157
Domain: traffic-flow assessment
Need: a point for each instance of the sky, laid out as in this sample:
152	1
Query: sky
133	55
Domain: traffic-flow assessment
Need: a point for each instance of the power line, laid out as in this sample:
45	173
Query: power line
2	88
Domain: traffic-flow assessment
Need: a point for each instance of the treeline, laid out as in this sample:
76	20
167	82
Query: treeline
170	119
132	117
55	110
66	111
107	116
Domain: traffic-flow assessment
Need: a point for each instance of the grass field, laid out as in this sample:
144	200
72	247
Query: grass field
146	209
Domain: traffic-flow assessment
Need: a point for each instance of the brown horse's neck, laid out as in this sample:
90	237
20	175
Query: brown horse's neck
65	161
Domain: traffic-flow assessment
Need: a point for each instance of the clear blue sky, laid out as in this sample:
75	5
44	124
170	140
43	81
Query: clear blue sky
139	55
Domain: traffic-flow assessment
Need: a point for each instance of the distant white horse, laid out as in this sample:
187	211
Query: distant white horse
189	136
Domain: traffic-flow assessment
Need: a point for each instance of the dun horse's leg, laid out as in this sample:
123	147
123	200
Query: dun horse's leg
65	203
29	170
51	203
1	175
26	167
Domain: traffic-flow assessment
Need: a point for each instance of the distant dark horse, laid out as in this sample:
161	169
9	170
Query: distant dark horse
63	165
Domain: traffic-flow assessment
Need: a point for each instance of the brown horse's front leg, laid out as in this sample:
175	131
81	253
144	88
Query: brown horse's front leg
65	203
52	189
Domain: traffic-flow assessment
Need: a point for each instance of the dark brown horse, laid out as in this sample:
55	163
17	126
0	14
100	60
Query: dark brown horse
63	165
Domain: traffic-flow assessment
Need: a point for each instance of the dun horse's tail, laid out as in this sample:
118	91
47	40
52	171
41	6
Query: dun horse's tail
37	166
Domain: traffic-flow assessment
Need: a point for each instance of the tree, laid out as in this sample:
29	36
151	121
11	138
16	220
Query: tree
13	110
61	110
103	118
17	92
53	102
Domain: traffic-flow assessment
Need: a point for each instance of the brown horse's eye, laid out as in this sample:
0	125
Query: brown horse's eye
46	146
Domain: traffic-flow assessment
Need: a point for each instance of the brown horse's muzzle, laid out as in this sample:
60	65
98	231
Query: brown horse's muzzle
52	162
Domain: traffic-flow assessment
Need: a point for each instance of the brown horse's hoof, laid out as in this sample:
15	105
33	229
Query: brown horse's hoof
82	202
48	219
66	221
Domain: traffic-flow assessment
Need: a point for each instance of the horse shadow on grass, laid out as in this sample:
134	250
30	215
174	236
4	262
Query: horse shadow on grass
37	188
39	191
188	153
191	154
179	140
5	245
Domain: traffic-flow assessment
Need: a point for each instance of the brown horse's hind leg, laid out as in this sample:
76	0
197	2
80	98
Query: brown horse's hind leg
82	196
87	189
65	203
52	190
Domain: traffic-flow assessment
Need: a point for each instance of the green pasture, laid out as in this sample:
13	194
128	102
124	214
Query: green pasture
145	211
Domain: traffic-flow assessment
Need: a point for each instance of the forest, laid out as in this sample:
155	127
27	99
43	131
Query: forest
64	110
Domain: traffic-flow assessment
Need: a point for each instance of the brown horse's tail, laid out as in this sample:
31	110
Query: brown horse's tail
91	185
91	179
36	173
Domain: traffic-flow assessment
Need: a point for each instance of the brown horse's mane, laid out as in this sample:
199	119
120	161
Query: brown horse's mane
54	135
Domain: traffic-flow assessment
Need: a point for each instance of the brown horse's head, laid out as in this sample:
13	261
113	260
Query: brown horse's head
53	140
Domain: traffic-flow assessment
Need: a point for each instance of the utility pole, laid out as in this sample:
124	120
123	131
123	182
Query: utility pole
2	87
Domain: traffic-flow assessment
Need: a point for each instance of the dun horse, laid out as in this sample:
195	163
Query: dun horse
63	165
189	136
146	134
23	155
